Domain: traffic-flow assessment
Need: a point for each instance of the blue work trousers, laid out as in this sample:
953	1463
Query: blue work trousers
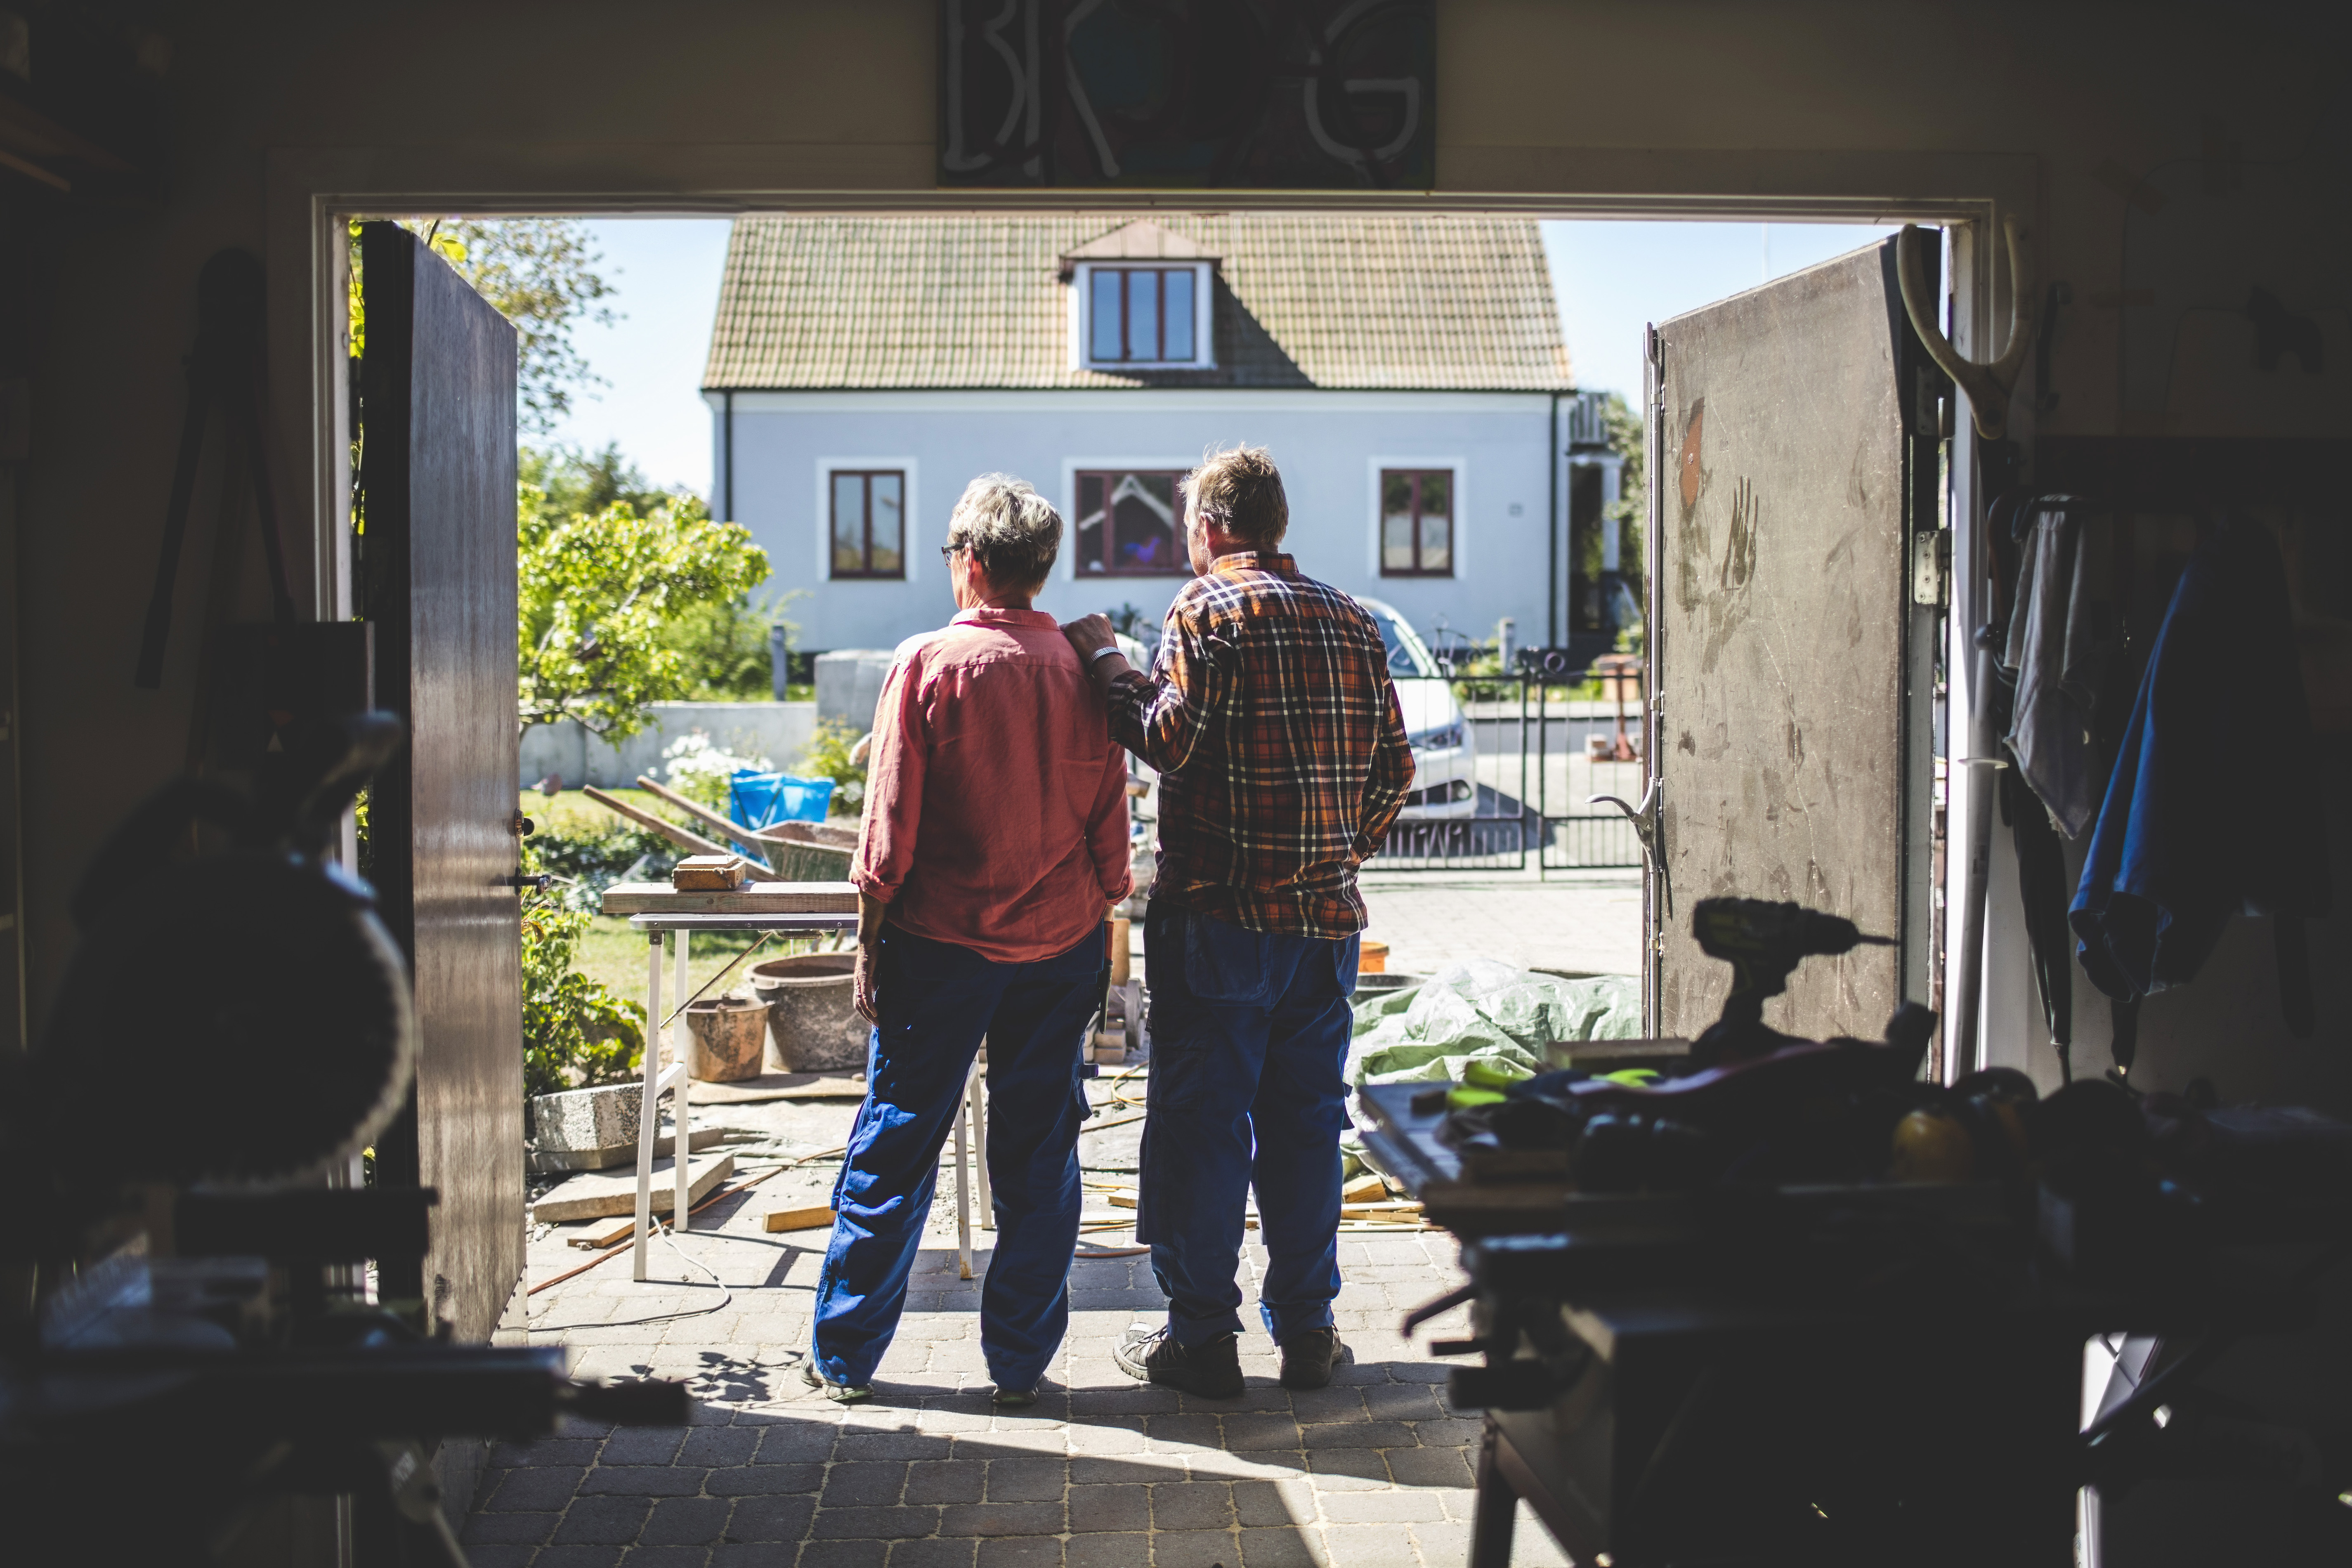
1249	1039
938	1001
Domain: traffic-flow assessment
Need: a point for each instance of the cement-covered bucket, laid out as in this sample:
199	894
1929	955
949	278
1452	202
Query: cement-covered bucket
727	1034
812	1012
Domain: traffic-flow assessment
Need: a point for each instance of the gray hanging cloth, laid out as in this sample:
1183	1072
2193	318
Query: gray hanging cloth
2058	647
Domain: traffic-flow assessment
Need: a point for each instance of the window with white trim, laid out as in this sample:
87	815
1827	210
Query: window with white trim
1145	317
869	523
1416	522
1130	524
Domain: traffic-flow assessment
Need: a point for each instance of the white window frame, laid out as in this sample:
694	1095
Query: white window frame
916	549
1205	353
1461	470
1073	466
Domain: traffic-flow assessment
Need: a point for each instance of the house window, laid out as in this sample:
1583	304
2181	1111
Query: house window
869	523
1416	522
1143	315
1130	525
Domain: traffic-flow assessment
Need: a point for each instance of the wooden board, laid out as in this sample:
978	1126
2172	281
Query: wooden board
777	1085
759	899
1779	635
439	558
778	1220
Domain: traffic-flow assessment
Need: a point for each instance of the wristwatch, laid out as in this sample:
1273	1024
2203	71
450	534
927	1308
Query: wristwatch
1100	654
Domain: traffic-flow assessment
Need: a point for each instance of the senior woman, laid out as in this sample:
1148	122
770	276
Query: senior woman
995	835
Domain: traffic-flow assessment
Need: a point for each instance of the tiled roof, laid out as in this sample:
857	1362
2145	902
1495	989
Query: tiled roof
1343	301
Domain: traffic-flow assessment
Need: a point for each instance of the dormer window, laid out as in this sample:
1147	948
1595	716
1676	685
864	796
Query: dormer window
1143	315
1140	299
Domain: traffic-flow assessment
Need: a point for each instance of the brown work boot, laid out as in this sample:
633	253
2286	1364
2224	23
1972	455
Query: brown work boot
1308	1356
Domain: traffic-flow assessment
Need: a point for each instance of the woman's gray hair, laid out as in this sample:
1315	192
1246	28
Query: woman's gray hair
1012	532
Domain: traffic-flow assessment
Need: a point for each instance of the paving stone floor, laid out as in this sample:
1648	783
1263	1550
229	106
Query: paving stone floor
1588	921
1103	1473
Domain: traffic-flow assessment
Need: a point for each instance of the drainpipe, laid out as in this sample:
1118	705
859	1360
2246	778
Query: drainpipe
727	459
1551	606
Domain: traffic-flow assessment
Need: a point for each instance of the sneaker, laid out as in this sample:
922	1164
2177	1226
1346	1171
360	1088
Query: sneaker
1308	1356
1212	1371
839	1393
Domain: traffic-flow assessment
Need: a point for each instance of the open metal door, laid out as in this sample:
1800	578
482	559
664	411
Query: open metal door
1793	461
439	566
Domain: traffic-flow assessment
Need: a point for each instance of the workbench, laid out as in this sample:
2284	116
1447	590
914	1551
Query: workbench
1873	1373
803	909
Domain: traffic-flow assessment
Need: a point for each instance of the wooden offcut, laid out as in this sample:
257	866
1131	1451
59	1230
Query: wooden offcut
1365	1189
798	1219
710	874
756	899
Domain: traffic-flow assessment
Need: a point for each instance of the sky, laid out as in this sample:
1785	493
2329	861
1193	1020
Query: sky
1611	278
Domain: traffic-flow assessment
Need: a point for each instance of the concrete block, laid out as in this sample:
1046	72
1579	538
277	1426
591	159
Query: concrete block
849	684
593	1196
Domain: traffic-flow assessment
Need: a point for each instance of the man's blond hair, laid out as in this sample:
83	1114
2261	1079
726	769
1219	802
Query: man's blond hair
1240	490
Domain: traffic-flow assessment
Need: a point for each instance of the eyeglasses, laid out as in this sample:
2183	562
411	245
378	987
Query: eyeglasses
948	552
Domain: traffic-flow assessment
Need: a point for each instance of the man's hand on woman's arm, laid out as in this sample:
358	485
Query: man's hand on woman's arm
1090	635
869	949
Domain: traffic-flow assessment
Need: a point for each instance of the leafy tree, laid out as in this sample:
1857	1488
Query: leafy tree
600	598
576	1032
571	481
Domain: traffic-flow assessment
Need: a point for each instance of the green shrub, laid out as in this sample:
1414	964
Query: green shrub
576	1032
827	757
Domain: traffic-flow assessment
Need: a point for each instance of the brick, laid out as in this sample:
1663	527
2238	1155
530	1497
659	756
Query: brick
1276	1548
771	1519
1371	1546
578	1556
843	1554
711	1446
797	1442
687	1522
992	1518
1430	1466
1163	1433
935	1552
1403	1402
1194	1549
533	1491
1107	1551
1391	1507
865	1485
499	1556
1090	1472
509	1529
760	1480
580	1451
1452	1433
1357	1435
1442	1545
1321	1405
643	1446
945	1481
1027	1480
602	1520
1096	1510
642	1480
876	1523
1192	1505
1019	1551
1255	1434
1347	1469
695	1556
1132	1399
855	1445
1109	1435
755	1555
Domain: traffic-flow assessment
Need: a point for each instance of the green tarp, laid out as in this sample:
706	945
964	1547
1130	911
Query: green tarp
1489	1012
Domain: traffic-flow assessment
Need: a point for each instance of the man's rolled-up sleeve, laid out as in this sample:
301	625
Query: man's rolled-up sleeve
896	761
1162	716
1391	776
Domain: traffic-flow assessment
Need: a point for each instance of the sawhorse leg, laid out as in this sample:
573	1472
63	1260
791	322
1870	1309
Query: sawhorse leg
1495	1513
648	1104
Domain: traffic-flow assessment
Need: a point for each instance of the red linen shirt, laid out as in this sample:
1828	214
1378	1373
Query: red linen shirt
996	804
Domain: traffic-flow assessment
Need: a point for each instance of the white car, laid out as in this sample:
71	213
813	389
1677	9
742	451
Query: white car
1445	771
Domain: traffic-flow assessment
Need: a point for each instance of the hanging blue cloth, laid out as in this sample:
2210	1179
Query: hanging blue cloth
2180	845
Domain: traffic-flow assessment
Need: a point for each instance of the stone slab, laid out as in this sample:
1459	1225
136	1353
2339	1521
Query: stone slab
595	1195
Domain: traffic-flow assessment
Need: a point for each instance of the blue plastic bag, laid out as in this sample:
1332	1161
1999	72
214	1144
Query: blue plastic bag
761	800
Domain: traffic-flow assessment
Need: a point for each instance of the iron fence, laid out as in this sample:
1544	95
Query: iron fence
1517	785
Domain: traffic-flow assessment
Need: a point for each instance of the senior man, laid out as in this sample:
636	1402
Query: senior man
995	836
1283	759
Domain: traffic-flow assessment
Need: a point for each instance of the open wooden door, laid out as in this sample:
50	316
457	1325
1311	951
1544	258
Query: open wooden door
1794	461
439	574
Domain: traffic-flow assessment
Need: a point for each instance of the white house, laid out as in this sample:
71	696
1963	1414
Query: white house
1407	373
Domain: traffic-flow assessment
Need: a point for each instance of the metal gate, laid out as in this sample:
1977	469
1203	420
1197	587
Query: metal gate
1515	792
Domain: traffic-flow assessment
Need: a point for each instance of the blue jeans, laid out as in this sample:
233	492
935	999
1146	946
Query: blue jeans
937	1002
1249	1039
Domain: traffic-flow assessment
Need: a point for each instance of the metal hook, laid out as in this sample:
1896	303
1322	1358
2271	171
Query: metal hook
1989	385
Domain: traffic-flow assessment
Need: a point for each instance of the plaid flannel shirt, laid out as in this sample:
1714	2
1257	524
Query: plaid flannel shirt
1281	749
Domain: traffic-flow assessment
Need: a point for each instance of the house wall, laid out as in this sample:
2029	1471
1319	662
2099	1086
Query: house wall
1330	444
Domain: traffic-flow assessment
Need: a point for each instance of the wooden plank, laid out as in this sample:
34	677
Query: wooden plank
600	1195
735	831
798	1219
1778	641
685	839
440	374
759	899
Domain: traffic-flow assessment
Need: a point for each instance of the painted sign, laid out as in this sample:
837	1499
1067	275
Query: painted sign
1250	94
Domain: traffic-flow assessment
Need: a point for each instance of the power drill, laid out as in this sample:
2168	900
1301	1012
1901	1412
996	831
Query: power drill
1763	942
